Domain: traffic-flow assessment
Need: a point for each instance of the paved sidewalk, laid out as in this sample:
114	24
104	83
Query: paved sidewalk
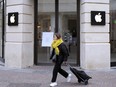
40	76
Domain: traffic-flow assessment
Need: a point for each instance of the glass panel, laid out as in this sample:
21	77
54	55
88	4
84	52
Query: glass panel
45	10
68	27
43	26
113	29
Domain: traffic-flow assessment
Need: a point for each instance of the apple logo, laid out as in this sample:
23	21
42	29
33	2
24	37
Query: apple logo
12	19
98	17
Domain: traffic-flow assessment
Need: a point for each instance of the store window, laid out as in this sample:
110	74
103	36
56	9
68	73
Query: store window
66	27
113	31
44	25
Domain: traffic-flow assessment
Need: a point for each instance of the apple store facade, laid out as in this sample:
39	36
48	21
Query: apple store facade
87	28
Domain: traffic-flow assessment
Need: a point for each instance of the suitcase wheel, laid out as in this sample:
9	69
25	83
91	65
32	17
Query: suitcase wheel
86	82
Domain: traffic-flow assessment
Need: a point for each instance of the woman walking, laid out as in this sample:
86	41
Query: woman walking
61	52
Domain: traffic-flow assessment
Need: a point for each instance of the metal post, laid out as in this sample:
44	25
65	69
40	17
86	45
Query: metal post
35	30
3	27
78	32
56	15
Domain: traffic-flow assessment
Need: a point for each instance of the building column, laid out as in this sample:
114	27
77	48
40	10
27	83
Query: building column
95	46
19	39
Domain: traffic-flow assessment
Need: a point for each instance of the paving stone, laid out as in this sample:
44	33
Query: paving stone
24	85
40	76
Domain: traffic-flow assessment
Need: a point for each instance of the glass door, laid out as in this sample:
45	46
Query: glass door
46	8
43	53
70	36
68	27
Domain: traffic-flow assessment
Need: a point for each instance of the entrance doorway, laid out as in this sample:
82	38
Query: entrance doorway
67	27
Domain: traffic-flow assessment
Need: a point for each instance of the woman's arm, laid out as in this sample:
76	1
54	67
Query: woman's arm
52	54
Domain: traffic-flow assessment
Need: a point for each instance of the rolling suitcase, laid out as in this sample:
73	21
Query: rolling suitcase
81	75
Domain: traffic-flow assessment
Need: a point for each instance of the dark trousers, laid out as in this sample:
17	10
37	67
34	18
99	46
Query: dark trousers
57	69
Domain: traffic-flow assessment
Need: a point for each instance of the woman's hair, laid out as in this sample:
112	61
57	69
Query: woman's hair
58	35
